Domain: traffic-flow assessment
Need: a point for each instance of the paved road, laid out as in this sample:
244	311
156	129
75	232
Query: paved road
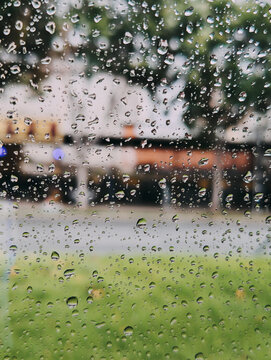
49	228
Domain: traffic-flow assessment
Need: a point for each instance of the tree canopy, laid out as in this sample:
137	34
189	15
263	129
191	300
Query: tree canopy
217	52
220	50
27	28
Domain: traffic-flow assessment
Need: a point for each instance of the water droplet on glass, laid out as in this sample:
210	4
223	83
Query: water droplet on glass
229	197
248	177
247	213
128	37
145	24
189	11
12	46
51	168
40	168
17	3
128	331
15	69
258	196
141	223
51	10
13	101
68	273
189	28
210	19
72	302
246	197
13	178
28	121
202	192
242	96
6	31
100	325
97	19
50	27
120	194
75	18
163	47
181	96
55	255
267	153
125	177
185	178
146	168
89	299
203	161
169	60
46	60
19	25
213	59
47	88
13	247
175	218
80	117
36	4
162	183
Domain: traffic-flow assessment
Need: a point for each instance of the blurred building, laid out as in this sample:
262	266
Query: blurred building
93	137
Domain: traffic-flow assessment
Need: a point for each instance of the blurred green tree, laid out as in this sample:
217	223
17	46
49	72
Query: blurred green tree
27	28
219	49
217	52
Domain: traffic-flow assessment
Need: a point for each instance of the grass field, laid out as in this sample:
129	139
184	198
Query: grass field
138	308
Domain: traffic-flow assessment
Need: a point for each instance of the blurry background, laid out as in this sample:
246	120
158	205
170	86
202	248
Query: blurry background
135	157
136	102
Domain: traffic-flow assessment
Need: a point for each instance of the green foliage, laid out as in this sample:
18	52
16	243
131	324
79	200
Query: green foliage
224	47
220	50
24	39
149	307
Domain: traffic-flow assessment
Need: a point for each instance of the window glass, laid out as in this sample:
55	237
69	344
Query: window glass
135	149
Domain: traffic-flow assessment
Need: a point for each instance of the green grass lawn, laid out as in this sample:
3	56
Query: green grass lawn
138	308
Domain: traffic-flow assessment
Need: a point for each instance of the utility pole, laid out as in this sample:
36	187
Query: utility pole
216	185
258	186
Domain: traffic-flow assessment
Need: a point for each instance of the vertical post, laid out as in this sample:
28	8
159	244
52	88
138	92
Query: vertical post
82	186
258	186
7	262
216	184
166	195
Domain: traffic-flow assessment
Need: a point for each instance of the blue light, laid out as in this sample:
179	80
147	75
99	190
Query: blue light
58	154
3	151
